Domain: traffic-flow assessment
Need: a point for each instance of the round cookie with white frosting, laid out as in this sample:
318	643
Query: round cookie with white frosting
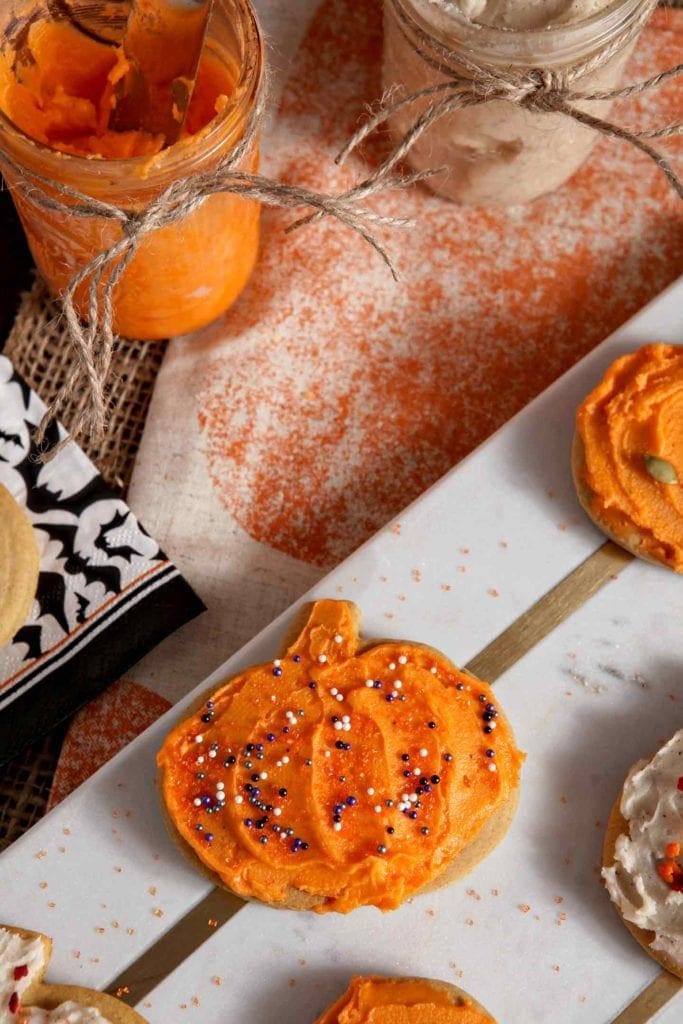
26	999
643	854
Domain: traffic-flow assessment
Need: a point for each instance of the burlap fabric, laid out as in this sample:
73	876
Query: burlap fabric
40	351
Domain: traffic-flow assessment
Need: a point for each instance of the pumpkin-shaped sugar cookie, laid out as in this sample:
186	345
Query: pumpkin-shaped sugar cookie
341	774
26	999
376	1000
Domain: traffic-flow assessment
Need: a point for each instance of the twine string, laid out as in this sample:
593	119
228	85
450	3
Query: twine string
93	338
468	83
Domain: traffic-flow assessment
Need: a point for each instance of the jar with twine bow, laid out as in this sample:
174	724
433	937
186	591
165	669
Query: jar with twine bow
502	115
147	246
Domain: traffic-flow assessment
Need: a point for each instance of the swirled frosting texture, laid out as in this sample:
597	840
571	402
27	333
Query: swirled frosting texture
352	776
637	411
652	805
403	1001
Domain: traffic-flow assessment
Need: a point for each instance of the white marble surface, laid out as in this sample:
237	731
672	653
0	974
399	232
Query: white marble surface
100	876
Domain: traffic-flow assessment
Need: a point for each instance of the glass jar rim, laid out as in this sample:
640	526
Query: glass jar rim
171	160
559	41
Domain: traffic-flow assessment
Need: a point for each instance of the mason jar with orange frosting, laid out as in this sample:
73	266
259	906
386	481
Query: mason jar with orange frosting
57	82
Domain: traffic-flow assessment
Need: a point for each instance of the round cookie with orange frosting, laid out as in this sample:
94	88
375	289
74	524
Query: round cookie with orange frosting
340	774
375	1000
627	457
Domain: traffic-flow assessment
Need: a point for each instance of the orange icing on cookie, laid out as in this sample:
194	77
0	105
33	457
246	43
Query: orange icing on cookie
355	776
637	410
402	1001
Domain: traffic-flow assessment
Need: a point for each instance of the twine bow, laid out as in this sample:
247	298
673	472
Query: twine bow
469	83
93	340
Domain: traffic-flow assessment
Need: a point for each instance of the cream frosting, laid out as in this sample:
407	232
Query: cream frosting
652	805
67	1013
17	952
525	15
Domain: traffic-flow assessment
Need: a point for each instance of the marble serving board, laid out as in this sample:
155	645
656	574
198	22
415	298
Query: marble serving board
530	932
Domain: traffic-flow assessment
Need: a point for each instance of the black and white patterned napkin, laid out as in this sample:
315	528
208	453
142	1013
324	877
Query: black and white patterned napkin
106	592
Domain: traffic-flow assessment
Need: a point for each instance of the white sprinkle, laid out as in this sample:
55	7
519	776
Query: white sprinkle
212	753
345	718
220	796
392	666
492	725
433	670
263	775
285	759
339	726
239	799
402	659
403	807
394	693
417	771
334	691
398	684
273	698
322	658
328	754
371	791
369	683
405	797
347	726
220	785
340	696
337	826
492	768
378	808
277	663
278	764
200	760
277	811
197	802
199	739
338	638
413	798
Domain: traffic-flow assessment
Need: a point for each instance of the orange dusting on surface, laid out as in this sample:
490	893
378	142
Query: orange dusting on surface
333	753
342	397
100	730
375	1000
631	427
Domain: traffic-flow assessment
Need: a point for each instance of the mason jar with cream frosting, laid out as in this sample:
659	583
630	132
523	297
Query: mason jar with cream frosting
498	151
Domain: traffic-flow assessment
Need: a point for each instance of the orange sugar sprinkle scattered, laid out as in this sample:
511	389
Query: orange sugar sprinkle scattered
41	854
446	586
100	931
492	592
559	899
42	885
66	831
195	1001
123	990
77	954
524	907
212	922
118	869
217	980
52	904
158	912
469	921
152	890
672	849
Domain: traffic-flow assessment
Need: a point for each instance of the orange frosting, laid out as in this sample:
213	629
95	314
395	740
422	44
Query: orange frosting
62	88
352	775
637	412
402	1001
59	89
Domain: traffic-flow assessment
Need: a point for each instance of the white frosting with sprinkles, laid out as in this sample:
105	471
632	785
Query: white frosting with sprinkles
22	960
17	953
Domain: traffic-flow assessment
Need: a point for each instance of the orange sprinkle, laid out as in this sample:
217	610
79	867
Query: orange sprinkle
672	849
